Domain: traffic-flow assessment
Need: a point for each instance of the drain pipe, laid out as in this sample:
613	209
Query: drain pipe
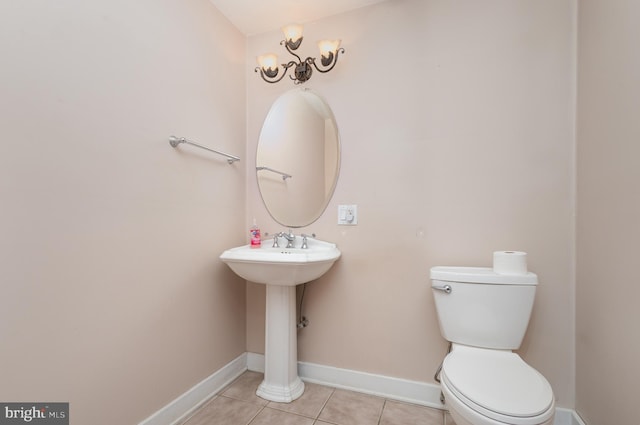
303	322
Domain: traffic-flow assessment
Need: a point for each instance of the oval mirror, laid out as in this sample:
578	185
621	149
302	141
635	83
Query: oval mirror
298	158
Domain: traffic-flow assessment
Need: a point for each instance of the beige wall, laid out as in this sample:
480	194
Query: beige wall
608	130
456	121
111	294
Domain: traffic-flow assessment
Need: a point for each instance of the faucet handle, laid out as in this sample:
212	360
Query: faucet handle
304	240
275	239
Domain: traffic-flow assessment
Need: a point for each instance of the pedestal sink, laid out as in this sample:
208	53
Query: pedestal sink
281	269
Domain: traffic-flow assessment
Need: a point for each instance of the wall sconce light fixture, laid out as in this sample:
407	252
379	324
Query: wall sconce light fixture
269	69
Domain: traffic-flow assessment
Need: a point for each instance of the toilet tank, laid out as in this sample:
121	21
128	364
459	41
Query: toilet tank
483	308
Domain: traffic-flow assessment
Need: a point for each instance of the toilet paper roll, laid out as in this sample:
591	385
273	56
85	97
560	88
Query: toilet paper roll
510	262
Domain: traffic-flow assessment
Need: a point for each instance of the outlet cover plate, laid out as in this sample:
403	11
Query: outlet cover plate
347	215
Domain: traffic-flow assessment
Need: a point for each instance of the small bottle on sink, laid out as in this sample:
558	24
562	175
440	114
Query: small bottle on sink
256	241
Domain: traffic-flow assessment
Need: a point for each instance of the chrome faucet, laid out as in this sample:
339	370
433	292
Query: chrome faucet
290	237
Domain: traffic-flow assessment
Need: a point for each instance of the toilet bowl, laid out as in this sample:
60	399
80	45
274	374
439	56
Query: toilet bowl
494	387
485	315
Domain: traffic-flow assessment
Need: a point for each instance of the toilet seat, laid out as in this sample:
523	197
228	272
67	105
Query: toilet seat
499	385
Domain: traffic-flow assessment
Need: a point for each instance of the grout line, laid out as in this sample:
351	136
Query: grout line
333	390
286	412
382	411
194	412
256	415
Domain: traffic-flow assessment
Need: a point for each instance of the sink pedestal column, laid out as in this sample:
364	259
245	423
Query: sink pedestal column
281	381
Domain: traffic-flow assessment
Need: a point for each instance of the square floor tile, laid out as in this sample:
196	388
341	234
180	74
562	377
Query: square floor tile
225	411
310	402
397	413
271	417
350	408
244	388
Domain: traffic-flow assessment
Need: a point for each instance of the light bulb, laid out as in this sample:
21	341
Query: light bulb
328	47
268	61
292	32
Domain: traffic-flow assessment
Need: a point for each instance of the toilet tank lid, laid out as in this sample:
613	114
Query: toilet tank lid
481	275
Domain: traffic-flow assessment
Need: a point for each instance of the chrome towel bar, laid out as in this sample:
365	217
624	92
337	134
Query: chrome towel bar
175	141
284	175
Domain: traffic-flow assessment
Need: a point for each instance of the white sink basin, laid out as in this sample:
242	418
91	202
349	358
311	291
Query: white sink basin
282	266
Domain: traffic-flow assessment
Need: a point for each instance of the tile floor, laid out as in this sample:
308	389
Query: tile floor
319	405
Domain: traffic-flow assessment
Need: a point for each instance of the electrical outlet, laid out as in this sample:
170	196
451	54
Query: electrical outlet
347	215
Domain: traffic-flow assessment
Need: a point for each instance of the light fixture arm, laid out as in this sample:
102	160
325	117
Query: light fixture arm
291	47
303	69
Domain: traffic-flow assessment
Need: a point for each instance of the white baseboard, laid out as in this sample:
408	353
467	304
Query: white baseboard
394	388
576	419
255	362
187	403
567	417
421	393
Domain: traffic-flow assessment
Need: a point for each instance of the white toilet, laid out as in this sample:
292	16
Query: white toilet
485	315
